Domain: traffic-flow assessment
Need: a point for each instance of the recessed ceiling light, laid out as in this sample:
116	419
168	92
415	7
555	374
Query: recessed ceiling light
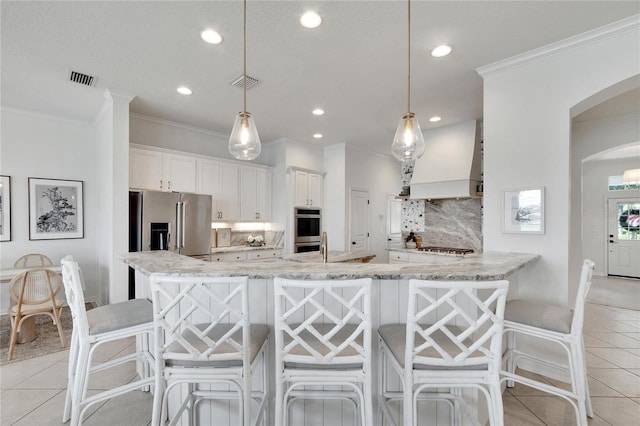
317	135
318	111
211	37
311	20
441	51
184	90
435	119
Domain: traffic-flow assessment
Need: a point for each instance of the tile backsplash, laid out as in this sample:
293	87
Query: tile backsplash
271	238
446	223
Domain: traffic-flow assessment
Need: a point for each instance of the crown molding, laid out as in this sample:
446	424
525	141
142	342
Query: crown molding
178	125
614	29
42	115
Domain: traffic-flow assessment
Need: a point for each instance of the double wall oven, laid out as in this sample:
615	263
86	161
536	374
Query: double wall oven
308	229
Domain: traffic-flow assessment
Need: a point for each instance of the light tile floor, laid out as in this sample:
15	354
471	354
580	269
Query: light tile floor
32	392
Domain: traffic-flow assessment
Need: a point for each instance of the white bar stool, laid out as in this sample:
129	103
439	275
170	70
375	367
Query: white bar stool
452	339
93	328
323	339
557	324
206	348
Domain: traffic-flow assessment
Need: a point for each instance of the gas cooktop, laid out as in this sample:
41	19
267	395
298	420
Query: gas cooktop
447	250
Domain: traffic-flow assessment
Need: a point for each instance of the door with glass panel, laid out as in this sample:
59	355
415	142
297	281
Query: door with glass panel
623	244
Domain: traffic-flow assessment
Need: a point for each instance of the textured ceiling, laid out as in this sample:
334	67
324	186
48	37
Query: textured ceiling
354	65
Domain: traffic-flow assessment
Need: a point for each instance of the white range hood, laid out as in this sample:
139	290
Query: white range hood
451	164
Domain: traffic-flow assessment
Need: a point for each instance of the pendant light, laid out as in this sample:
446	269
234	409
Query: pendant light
408	143
631	176
244	143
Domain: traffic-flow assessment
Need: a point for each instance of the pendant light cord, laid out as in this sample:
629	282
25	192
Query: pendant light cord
244	55
409	56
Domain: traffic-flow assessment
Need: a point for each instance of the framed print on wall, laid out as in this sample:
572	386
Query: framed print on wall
523	211
5	208
55	209
224	237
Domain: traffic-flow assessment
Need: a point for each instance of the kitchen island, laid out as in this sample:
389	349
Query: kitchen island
389	299
482	266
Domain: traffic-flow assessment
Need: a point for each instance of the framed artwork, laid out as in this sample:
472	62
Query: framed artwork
523	211
5	208
223	237
55	209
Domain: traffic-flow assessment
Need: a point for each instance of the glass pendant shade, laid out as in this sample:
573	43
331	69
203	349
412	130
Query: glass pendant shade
408	143
244	143
631	176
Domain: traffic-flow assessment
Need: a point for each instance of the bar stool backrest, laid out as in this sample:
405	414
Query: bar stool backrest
186	311
586	277
310	315
73	287
455	324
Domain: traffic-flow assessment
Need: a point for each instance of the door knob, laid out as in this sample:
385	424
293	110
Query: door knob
353	242
611	241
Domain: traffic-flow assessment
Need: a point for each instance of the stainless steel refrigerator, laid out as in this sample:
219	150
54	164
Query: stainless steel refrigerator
173	221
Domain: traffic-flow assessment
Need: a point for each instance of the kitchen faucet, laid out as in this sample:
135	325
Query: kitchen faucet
324	248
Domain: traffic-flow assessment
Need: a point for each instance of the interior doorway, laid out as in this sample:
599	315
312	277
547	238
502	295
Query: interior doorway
623	237
359	221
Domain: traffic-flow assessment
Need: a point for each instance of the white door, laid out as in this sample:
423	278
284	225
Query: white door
146	170
228	191
181	173
314	190
394	222
624	237
359	221
248	195
301	196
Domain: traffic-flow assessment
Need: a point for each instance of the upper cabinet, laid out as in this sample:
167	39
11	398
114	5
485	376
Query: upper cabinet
239	191
161	171
220	180
307	189
255	193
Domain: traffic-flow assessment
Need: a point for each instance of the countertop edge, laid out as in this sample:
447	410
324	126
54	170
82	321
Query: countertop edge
484	267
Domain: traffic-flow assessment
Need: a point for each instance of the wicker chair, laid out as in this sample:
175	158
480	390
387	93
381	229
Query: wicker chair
32	260
34	292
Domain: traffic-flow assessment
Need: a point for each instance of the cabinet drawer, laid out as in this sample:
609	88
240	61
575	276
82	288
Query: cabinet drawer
228	257
263	254
398	256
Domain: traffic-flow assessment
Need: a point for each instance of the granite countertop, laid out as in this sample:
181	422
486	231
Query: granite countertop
484	266
242	248
415	250
334	256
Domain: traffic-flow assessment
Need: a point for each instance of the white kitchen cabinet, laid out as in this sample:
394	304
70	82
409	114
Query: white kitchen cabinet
420	257
236	256
263	254
308	189
255	193
398	257
220	180
161	171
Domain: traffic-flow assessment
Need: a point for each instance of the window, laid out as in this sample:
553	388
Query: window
628	220
616	184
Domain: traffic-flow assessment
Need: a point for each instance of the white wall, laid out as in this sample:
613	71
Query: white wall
170	135
595	176
42	146
335	196
527	139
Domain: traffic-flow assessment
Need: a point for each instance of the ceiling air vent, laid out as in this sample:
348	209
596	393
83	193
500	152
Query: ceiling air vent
239	82
80	78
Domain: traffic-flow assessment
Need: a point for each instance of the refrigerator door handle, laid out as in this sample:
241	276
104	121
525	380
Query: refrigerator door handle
178	224
183	224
